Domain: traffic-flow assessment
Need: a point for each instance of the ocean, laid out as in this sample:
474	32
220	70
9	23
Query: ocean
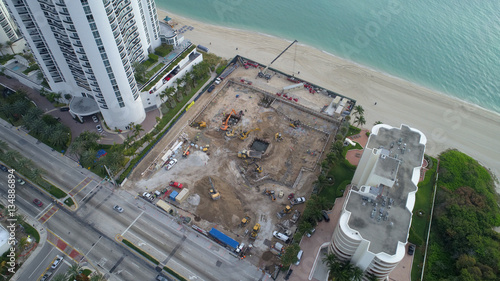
449	46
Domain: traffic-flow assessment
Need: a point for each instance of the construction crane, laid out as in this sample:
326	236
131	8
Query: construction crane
244	135
263	74
225	124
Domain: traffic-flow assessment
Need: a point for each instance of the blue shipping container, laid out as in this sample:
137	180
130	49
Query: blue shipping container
173	195
223	238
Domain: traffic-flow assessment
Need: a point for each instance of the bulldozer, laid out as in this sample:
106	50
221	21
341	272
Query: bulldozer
244	135
213	192
278	137
255	231
245	221
295	124
199	125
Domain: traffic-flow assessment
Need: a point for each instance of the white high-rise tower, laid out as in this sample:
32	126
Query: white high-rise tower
86	48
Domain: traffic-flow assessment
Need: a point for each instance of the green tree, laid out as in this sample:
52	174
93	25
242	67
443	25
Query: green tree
377	122
359	110
73	271
97	277
10	44
137	129
290	255
167	93
360	120
2	46
140	71
60	277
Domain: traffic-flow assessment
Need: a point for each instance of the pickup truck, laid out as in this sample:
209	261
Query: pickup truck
298	200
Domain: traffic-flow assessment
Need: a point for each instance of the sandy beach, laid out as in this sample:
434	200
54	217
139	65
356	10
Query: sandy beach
446	122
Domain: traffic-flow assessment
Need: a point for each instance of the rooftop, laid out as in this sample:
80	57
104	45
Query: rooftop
384	218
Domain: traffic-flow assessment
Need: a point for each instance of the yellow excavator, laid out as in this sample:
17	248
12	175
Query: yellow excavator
244	135
231	134
295	124
258	168
278	137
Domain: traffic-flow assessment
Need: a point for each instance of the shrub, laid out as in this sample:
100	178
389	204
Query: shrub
144	254
153	57
164	50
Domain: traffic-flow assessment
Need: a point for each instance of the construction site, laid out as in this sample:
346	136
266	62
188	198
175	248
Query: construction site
253	147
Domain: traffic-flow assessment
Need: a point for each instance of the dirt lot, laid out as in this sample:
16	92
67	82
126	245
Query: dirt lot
288	165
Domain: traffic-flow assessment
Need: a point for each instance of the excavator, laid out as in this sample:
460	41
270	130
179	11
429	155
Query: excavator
225	124
244	135
244	221
231	134
295	124
199	125
213	192
285	211
258	168
186	152
277	137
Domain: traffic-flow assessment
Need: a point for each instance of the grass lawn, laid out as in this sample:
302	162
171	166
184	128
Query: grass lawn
353	130
69	202
341	174
421	217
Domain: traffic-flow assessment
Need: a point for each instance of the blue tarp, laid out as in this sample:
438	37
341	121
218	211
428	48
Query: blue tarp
173	195
223	238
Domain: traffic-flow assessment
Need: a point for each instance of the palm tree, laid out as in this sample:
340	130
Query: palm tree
358	110
137	129
73	271
357	274
34	173
3	146
11	156
58	137
371	277
190	78
167	92
60	277
377	122
360	120
10	44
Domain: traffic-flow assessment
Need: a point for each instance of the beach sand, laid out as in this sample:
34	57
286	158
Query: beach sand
445	121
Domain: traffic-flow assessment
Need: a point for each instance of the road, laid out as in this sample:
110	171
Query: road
90	234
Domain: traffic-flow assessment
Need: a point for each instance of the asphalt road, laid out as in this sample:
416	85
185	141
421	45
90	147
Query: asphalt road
94	228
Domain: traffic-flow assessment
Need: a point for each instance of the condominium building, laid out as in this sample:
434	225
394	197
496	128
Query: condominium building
8	30
87	48
373	228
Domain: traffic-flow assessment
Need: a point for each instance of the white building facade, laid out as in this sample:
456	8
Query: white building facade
373	228
87	48
8	29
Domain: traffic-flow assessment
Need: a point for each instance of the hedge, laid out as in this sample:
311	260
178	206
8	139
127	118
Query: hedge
168	69
144	254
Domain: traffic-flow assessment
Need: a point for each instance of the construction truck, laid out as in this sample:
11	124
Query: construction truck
199	125
295	124
245	221
244	135
249	154
255	231
283	212
225	124
277	137
213	192
205	149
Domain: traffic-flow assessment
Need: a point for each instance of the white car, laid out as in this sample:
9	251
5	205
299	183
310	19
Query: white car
170	164
217	81
95	119
118	209
99	128
299	200
57	262
21	181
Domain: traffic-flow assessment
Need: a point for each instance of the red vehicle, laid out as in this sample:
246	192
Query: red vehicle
278	94
295	99
175	184
290	196
290	98
285	95
38	202
253	64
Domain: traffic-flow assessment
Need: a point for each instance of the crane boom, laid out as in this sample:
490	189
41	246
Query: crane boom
267	67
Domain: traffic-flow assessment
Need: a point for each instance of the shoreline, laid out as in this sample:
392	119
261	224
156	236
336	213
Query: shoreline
447	121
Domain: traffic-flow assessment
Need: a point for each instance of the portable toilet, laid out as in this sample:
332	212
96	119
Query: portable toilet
173	195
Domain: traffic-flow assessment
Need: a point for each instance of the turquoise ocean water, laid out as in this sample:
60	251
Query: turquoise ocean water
450	46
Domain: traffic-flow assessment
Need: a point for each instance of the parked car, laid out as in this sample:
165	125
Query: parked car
325	216
170	164
38	202
411	250
64	109
211	88
57	262
161	278
99	128
3	168
217	81
175	184
46	276
118	209
298	200
287	276
21	181
310	232
95	119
